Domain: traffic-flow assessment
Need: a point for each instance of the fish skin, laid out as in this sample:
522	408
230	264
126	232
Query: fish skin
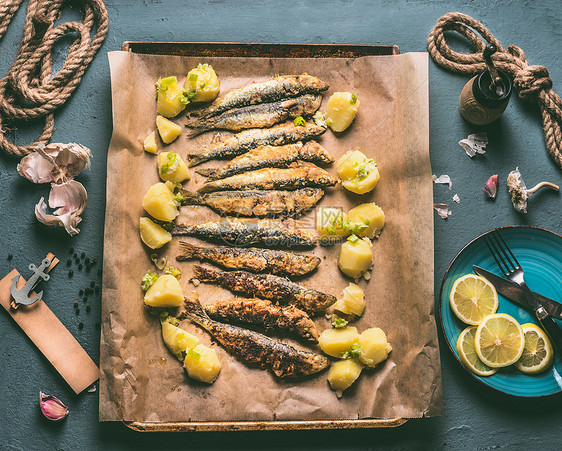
263	115
252	259
271	157
267	286
300	174
265	92
242	142
264	314
249	231
260	203
253	347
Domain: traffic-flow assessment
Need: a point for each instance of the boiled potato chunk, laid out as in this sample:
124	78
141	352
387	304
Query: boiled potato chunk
168	130
353	301
159	203
343	374
202	364
331	223
356	257
367	220
347	164
149	144
359	174
171	167
374	346
335	342
171	98
202	84
341	110
165	292
177	340
362	185
152	234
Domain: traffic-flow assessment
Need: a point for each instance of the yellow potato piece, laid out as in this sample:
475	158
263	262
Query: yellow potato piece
347	164
202	364
152	234
355	258
178	340
149	144
167	130
353	301
159	203
171	167
374	347
343	374
366	220
359	174
334	342
204	81
330	223
165	292
363	184
171	99
341	110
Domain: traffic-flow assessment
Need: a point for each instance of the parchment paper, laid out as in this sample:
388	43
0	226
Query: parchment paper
142	381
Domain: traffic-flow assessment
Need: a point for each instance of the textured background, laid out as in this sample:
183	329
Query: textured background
474	417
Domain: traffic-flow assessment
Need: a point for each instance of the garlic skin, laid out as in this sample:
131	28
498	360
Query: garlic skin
491	187
52	407
519	192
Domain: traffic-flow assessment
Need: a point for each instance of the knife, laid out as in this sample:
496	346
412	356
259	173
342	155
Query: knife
514	292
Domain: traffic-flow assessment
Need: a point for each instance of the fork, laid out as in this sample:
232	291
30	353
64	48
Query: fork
510	267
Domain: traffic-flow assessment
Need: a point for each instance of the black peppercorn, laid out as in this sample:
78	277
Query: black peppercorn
71	273
85	298
88	309
81	326
81	292
80	267
10	256
75	255
68	262
77	311
75	304
83	254
87	260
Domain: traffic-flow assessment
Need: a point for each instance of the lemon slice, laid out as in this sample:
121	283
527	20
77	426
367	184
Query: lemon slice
499	340
472	298
468	356
537	354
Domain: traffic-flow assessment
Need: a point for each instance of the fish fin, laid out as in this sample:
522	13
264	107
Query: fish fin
195	311
206	172
197	158
197	127
191	198
207	187
189	251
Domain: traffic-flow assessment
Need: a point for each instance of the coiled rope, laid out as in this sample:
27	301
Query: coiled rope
532	82
30	90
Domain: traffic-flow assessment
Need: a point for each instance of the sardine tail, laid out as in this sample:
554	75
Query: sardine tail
197	158
189	251
206	172
194	311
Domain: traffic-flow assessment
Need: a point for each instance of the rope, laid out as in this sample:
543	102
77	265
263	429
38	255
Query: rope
30	90
532	82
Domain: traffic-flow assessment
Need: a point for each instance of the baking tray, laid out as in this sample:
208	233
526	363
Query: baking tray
260	50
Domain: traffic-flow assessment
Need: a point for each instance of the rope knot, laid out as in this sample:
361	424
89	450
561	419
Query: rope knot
530	80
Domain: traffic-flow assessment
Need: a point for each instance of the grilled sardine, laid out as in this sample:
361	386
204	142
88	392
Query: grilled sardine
267	286
271	157
257	203
281	358
250	139
266	92
247	232
257	116
266	315
300	174
251	259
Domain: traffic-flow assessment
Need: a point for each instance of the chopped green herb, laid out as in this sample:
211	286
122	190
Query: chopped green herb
353	99
191	94
148	279
353	239
193	77
166	225
202	85
299	121
164	316
367	222
174	272
193	354
184	99
338	323
171	163
353	353
169	80
330	229
178	200
160	264
329	122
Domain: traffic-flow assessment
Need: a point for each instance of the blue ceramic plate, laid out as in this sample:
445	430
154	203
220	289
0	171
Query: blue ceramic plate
540	254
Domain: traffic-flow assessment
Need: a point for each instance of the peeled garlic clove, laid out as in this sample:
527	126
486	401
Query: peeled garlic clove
517	190
52	407
491	187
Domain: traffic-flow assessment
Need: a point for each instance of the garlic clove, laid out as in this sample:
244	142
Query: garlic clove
52	407
68	220
68	197
517	190
491	187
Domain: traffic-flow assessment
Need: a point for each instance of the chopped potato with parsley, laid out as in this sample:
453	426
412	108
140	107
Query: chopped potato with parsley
353	301
171	167
149	144
202	84
177	340
356	256
336	342
165	292
202	363
341	110
374	347
331	223
171	98
359	174
167	129
152	234
343	374
160	202
366	220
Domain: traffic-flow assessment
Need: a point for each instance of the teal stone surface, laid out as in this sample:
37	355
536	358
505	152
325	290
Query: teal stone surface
474	416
